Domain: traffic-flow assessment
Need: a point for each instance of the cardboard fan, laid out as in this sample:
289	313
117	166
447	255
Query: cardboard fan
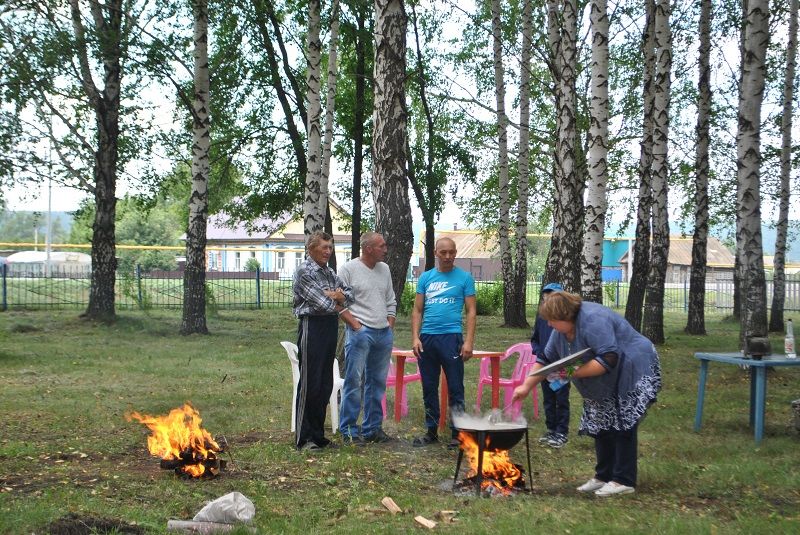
562	363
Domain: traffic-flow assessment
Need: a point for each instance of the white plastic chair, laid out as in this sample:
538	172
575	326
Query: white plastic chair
338	382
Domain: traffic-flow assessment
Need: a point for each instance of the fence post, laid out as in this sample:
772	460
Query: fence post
5	300
258	288
139	284
685	296
616	296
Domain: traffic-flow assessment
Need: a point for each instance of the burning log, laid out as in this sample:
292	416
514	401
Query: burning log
182	444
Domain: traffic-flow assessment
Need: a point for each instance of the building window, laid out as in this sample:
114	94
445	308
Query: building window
298	259
281	261
237	261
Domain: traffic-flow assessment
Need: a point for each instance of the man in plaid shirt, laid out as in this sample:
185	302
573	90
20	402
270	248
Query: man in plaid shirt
319	296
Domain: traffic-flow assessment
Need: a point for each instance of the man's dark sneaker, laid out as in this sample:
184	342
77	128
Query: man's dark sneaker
454	444
424	440
558	441
547	437
352	440
309	446
378	437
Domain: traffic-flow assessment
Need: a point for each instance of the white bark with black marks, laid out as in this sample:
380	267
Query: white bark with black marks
779	262
641	248
695	323
653	319
516	313
313	202
596	203
330	100
564	258
748	159
194	277
502	157
389	180
105	103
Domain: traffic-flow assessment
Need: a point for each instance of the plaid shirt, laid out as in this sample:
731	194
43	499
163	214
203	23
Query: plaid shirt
310	282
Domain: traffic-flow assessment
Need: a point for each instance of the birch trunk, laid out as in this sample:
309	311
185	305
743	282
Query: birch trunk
314	203
194	277
523	165
596	203
389	180
502	161
697	286
653	320
330	102
641	249
748	153
359	111
779	279
105	104
564	258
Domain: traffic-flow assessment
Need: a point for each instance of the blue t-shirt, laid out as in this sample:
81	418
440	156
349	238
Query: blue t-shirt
444	295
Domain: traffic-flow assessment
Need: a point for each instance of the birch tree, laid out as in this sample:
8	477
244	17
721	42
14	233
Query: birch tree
502	160
779	278
748	157
389	180
194	277
697	286
564	258
596	204
330	100
66	73
653	320
641	248
313	203
516	314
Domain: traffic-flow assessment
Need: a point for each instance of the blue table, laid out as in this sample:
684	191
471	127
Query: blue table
758	384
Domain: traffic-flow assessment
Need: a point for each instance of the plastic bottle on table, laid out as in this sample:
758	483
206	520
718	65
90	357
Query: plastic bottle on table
788	342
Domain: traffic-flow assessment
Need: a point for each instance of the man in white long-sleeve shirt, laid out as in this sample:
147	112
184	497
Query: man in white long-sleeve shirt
368	341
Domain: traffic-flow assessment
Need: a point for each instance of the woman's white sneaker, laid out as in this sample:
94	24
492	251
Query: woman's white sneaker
613	488
591	485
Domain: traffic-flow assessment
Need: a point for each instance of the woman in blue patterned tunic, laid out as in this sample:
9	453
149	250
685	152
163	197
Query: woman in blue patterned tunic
618	378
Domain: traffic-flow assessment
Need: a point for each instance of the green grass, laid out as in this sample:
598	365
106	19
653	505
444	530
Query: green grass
67	449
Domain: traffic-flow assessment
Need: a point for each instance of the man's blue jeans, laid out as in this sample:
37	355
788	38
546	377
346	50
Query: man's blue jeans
366	364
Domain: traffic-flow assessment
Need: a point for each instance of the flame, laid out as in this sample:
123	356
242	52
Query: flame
179	435
498	470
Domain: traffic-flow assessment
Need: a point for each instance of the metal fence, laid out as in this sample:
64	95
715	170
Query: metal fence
256	290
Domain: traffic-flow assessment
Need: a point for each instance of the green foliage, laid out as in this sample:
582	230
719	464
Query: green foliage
131	287
406	304
138	223
30	227
488	297
212	307
252	265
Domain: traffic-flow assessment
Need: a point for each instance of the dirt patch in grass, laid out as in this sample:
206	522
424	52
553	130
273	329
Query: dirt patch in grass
73	524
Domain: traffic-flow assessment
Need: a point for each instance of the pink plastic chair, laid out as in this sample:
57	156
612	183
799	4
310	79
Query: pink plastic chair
391	381
525	362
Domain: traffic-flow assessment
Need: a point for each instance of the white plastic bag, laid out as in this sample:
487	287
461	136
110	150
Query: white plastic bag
229	509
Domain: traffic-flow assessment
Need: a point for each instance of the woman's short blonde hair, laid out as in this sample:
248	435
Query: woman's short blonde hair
560	306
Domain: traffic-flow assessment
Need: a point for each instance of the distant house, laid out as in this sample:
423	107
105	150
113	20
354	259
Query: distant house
277	244
35	263
476	255
481	257
719	261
